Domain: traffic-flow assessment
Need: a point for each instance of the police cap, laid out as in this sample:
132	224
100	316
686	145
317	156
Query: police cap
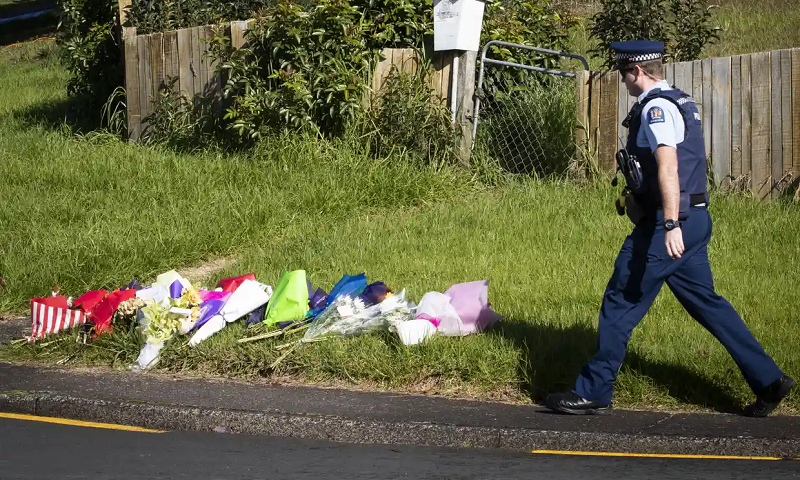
636	51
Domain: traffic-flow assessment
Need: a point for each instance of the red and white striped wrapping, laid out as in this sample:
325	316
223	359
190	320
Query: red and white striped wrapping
47	319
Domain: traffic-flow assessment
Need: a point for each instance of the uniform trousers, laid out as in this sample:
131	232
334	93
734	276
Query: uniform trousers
640	270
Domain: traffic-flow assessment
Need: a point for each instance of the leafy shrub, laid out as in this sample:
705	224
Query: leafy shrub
408	115
683	25
396	23
90	50
301	68
178	121
691	29
150	16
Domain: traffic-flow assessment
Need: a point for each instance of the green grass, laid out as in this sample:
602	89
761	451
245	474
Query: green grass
755	26
92	212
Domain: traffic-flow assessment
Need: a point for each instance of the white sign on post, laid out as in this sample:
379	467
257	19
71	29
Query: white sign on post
457	24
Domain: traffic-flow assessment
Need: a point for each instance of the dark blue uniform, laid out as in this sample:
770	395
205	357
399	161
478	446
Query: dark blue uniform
644	265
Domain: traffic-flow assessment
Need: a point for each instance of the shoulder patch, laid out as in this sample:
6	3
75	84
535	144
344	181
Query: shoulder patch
655	115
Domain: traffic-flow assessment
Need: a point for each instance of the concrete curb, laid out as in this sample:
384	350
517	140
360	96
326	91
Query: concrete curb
337	429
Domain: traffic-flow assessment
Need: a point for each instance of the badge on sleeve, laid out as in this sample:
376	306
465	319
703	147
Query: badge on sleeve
655	115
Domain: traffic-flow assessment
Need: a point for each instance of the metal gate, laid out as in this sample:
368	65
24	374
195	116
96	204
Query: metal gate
526	113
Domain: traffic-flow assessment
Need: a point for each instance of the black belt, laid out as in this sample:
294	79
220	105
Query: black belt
695	199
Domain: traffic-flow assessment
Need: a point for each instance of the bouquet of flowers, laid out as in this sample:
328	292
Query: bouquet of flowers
348	316
161	320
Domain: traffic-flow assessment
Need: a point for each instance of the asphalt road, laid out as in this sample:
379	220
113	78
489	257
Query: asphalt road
34	450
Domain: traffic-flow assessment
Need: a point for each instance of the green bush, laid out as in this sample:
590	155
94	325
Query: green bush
300	68
396	23
409	116
683	25
90	50
150	16
307	66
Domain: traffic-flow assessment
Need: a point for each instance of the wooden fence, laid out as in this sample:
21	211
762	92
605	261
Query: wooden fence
750	108
182	54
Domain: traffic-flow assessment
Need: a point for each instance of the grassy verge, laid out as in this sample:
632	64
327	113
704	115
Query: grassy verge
96	212
92	212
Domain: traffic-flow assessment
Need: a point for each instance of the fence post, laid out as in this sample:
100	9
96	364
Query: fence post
465	91
130	71
582	121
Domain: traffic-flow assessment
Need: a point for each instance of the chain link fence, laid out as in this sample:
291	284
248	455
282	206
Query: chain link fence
525	116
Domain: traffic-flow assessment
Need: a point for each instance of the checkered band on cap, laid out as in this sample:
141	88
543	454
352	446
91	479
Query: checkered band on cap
637	57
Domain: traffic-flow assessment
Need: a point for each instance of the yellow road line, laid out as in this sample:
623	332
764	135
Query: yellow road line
649	455
77	423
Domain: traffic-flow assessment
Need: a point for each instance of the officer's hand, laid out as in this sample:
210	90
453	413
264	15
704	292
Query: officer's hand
674	241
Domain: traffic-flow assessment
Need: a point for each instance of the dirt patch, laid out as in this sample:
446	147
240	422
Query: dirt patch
201	272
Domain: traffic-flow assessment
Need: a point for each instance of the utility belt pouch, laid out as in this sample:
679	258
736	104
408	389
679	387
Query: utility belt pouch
632	171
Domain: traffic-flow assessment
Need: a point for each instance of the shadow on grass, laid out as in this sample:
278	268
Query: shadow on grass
58	114
555	357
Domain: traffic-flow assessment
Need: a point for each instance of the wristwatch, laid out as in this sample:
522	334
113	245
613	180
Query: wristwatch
671	224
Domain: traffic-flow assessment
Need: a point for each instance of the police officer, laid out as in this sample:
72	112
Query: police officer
668	243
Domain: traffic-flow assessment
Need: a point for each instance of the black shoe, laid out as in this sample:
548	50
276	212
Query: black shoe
574	404
769	398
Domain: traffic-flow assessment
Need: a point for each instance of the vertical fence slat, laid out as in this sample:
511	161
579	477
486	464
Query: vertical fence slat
410	61
721	125
761	122
184	60
697	86
466	93
382	72
202	72
238	29
156	64
171	57
206	34
776	156
195	65
582	107
215	78
747	131
683	76
796	110
145	76
669	73
786	111
436	75
608	121
736	116
447	66
594	114
708	112
132	88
